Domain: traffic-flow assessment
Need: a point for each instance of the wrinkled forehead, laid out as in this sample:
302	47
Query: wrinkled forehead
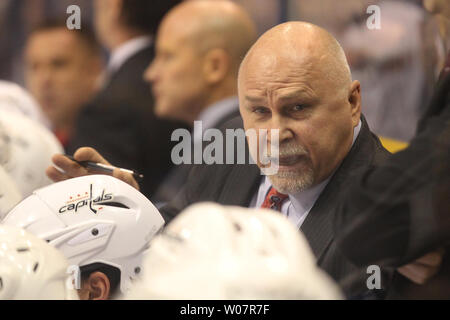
272	69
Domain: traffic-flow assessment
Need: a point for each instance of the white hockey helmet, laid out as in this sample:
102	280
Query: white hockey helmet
92	219
26	149
14	98
30	269
216	252
9	193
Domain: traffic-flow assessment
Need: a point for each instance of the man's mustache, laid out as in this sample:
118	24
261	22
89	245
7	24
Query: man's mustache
287	150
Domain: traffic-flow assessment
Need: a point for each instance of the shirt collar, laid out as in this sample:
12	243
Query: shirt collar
212	114
356	131
125	51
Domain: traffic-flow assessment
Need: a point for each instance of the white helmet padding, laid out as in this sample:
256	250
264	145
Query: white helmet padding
9	193
26	149
30	269
92	219
217	252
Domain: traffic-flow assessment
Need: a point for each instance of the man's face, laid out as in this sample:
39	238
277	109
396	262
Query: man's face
176	76
314	119
59	73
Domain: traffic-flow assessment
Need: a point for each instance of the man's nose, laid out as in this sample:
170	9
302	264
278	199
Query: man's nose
150	73
45	78
282	125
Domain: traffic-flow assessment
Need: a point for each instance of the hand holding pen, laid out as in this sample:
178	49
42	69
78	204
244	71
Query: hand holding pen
97	166
87	161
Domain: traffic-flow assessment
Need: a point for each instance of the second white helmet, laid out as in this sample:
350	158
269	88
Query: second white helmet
26	148
216	252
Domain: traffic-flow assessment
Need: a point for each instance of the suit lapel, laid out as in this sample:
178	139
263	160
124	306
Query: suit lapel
135	62
241	185
242	180
318	225
234	114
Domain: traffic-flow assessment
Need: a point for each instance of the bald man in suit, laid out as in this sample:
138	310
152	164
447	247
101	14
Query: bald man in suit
294	79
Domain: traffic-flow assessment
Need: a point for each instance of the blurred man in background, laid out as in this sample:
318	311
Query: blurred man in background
120	121
199	47
62	70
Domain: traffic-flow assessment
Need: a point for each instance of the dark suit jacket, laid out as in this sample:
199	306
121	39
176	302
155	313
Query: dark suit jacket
121	125
177	177
403	205
237	184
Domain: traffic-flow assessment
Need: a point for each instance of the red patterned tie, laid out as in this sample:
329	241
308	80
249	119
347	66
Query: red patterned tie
274	200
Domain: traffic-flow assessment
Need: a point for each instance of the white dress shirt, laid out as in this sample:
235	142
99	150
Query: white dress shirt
125	51
298	205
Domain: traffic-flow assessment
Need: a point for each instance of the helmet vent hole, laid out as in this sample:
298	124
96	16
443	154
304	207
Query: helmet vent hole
36	265
114	204
274	232
20	250
137	270
94	231
1	284
237	227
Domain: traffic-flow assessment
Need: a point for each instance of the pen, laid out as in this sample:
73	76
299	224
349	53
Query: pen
105	168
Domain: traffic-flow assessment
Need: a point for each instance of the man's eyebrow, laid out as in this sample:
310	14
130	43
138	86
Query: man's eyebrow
303	92
253	99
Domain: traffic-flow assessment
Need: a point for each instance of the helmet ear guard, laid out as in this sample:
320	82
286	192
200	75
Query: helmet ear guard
93	220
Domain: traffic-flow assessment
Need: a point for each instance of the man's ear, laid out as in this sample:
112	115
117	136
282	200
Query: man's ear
354	98
98	286
217	64
115	9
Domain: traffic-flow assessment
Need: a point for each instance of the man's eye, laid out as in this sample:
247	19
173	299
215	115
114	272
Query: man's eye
261	110
166	56
298	107
59	63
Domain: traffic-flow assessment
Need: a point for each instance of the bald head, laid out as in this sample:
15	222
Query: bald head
308	49
199	47
209	24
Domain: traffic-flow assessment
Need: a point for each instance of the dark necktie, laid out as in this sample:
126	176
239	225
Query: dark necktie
274	200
